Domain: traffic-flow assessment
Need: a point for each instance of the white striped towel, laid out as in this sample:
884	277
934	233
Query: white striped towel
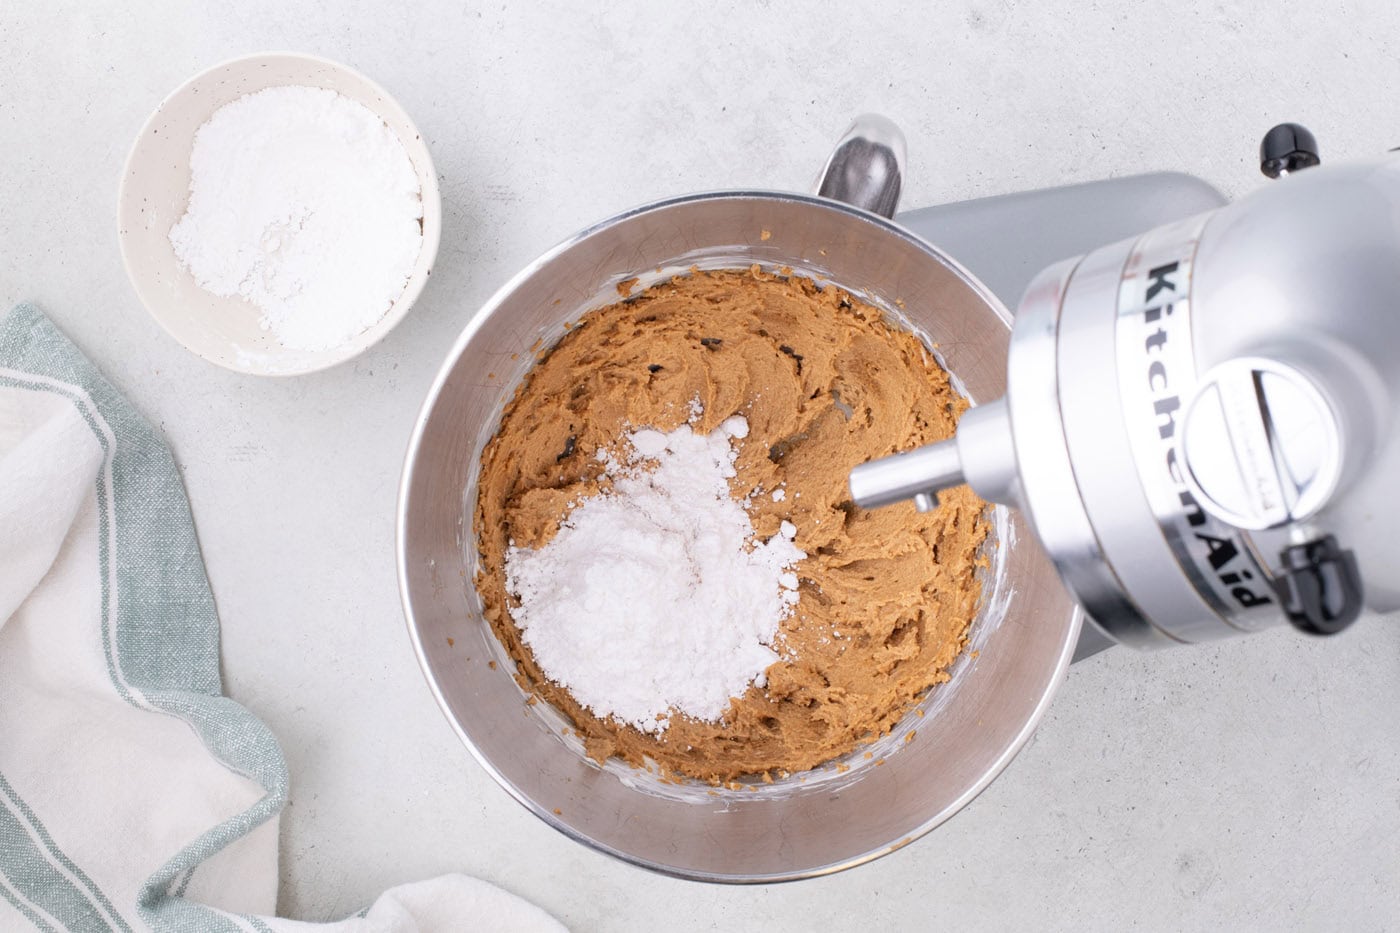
133	794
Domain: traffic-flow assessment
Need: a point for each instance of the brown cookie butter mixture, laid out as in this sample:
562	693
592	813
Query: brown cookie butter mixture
886	596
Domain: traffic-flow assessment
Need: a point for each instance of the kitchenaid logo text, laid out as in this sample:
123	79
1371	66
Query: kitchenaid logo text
1223	552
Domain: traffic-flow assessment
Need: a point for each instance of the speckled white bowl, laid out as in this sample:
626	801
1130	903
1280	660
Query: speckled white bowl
155	191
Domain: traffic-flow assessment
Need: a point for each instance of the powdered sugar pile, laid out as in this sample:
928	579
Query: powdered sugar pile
656	595
305	203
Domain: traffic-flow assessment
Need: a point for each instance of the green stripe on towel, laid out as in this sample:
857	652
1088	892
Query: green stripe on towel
57	855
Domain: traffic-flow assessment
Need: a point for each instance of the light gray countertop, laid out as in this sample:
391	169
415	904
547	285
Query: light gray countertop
1252	784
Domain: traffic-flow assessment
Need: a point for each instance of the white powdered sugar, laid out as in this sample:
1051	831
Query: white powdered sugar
656	595
305	203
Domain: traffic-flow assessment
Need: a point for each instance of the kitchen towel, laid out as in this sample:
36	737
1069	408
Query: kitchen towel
133	794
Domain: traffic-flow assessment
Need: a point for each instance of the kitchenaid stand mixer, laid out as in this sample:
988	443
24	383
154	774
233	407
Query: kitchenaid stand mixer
1200	421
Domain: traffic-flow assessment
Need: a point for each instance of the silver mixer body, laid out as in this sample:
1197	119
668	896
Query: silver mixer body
1203	422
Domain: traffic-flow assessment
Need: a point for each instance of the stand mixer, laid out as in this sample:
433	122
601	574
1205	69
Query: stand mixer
1200	422
1037	444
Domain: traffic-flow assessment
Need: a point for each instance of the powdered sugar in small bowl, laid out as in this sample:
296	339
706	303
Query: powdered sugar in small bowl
189	282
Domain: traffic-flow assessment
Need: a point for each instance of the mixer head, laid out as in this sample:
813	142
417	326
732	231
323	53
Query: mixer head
1201	422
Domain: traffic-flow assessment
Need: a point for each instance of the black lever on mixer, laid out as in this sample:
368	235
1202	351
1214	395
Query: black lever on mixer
1319	586
1287	148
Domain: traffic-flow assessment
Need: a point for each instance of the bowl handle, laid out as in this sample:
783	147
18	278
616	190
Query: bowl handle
866	168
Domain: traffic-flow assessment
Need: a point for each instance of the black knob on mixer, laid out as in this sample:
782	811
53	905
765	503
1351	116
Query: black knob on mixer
1287	148
1319	586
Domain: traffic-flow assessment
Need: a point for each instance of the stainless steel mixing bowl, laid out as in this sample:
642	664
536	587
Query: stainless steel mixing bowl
804	825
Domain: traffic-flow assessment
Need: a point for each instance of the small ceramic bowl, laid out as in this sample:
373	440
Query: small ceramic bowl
155	192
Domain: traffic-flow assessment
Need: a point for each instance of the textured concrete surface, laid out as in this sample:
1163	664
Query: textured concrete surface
1251	785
